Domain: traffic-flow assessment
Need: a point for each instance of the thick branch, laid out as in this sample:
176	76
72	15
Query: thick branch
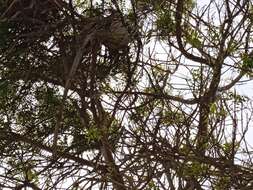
17	137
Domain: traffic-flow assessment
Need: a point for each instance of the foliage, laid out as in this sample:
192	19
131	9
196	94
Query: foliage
120	94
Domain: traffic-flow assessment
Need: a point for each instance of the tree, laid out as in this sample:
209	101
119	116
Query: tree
125	94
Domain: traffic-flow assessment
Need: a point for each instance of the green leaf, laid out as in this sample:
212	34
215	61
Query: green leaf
247	62
165	23
32	176
93	134
193	39
227	147
152	186
223	183
213	108
232	46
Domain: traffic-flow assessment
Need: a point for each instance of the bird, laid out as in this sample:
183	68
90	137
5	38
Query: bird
113	33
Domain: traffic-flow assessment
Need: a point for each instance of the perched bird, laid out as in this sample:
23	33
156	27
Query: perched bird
109	31
113	33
